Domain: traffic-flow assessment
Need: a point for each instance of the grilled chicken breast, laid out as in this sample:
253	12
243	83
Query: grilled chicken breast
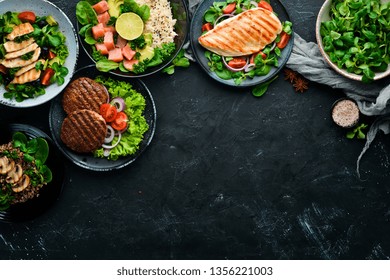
21	52
20	30
28	67
29	76
244	34
12	46
18	62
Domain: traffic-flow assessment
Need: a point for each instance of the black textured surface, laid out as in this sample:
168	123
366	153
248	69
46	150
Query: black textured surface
227	176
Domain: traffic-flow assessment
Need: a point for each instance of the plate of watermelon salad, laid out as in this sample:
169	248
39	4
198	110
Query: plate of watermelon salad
132	38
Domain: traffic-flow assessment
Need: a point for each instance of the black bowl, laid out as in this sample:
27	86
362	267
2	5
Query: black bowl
196	32
48	194
88	161
180	13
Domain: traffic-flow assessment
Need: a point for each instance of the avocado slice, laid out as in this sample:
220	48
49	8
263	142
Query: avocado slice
146	53
114	7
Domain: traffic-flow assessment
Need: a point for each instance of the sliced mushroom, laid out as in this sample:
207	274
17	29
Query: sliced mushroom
15	174
22	184
6	165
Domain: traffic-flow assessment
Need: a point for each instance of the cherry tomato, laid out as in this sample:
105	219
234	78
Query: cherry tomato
237	63
265	5
207	27
27	16
229	8
46	76
253	57
120	121
284	38
108	112
51	55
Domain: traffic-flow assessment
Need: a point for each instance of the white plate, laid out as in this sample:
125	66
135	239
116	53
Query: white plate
44	8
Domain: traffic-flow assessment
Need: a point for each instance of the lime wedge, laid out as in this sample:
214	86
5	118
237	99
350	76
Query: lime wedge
129	26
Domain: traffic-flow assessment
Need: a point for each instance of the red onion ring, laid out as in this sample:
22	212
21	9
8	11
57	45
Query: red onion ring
249	67
113	145
273	47
254	3
110	135
106	152
234	69
119	103
108	95
222	16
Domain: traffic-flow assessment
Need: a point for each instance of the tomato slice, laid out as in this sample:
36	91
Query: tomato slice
108	112
265	5
237	63
51	55
229	8
27	16
120	121
284	38
207	27
46	76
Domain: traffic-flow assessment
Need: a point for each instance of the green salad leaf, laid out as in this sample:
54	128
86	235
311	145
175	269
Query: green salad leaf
356	38
135	106
85	13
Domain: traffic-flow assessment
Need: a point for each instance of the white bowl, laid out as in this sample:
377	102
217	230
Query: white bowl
323	15
43	8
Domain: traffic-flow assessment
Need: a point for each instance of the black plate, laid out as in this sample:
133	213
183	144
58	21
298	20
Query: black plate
180	13
49	193
196	31
88	161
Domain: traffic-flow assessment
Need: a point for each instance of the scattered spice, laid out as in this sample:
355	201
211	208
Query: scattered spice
299	83
290	75
345	113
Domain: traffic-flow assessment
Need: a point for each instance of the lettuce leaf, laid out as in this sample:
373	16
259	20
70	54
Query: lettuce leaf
135	106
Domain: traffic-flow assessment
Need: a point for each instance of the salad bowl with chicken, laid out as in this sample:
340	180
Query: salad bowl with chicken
38	52
241	42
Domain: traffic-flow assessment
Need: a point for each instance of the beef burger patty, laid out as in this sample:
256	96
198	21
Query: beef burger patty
84	93
83	131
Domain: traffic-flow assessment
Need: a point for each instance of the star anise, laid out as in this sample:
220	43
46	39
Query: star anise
301	84
290	75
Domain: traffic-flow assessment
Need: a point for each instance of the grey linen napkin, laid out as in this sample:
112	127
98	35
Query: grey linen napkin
372	99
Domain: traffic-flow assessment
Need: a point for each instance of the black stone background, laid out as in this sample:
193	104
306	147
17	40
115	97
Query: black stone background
227	176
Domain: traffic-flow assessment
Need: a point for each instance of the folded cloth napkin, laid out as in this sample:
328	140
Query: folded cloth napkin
372	99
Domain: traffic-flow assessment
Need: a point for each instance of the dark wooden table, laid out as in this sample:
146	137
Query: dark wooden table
227	176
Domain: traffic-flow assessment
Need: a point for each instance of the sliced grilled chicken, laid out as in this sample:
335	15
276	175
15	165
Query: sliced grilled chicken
18	62
28	67
20	30
21	52
29	76
12	46
246	33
